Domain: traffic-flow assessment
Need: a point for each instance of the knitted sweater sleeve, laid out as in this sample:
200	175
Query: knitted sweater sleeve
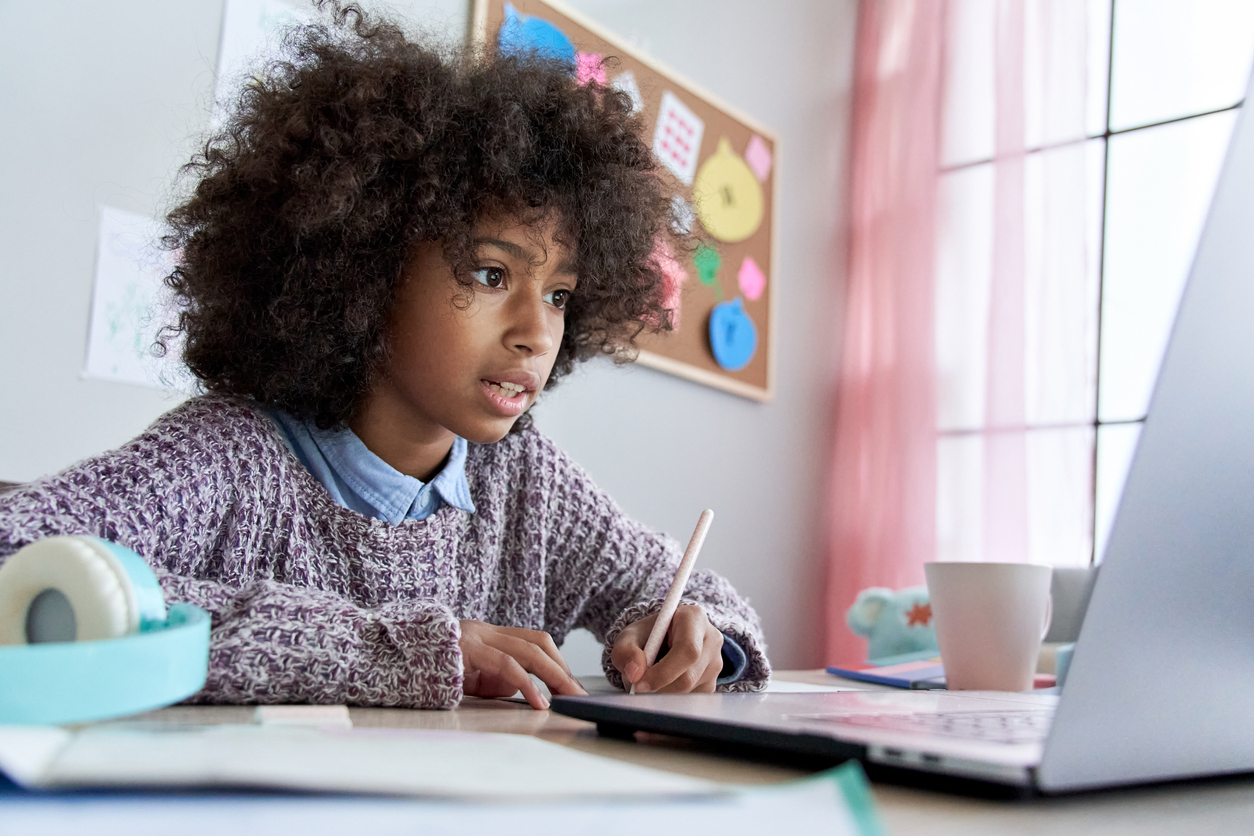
279	643
606	571
178	497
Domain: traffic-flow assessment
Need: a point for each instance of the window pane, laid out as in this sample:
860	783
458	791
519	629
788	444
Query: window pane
1056	70
967	132
1062	221
960	497
1059	496
1115	445
1158	193
1099	65
1173	58
1065	40
964	266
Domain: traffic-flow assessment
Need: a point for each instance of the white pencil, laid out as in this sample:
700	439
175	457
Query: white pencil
663	623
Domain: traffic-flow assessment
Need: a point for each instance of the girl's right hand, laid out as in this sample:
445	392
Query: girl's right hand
497	661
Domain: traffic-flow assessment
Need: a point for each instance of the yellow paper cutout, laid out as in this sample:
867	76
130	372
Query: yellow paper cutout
727	196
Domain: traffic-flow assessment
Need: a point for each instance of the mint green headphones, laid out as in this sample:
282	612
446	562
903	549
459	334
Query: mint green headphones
85	634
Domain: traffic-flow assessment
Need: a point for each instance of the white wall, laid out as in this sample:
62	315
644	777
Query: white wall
100	102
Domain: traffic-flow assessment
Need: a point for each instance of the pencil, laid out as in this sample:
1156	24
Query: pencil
671	602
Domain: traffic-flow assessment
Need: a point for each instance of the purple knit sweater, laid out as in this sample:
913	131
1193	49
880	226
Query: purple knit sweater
314	603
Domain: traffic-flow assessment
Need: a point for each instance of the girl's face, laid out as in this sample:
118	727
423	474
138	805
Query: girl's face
471	370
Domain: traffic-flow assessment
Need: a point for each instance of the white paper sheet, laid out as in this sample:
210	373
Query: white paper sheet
776	686
442	764
130	304
836	803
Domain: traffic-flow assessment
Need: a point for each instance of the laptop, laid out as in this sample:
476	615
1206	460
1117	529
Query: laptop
1161	684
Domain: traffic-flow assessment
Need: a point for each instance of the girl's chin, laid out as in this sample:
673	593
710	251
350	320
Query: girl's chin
489	432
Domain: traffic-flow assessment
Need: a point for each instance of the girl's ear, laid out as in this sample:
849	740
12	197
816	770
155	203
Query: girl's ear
866	611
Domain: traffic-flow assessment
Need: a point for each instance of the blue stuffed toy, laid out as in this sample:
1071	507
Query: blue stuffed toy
895	624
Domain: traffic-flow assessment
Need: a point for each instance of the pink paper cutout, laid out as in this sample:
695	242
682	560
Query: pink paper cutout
589	68
752	279
673	278
758	156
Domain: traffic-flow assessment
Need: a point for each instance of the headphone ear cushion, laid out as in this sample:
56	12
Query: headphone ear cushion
76	588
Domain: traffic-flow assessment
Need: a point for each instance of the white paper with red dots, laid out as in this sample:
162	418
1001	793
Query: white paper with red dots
677	138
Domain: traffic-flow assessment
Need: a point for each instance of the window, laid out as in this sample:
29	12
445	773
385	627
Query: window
1127	111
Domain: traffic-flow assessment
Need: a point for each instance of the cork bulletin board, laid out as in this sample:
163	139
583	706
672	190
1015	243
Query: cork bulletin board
720	165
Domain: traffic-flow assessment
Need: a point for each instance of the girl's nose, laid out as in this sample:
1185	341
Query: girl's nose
530	327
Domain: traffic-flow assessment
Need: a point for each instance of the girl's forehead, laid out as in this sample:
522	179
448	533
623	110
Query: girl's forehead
537	239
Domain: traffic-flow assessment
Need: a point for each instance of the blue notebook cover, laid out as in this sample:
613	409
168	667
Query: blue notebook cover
925	674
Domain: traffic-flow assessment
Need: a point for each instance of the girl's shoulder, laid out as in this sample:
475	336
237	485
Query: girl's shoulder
214	421
211	434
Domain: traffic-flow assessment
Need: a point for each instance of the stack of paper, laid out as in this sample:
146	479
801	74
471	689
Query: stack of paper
447	782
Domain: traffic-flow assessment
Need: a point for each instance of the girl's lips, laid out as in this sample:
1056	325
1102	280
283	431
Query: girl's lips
508	401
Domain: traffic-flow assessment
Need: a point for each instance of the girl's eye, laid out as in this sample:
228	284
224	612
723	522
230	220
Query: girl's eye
558	298
489	276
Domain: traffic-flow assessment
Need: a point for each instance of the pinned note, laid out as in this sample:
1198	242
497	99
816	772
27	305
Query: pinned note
758	156
752	279
733	336
521	34
707	262
677	137
727	196
589	68
682	215
673	278
626	83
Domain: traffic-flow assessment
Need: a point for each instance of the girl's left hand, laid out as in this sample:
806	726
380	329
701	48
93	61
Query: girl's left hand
693	662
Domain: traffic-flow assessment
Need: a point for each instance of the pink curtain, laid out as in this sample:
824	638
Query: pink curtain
1005	441
883	492
1029	496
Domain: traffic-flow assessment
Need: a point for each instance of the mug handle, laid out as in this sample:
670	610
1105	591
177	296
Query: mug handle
1049	615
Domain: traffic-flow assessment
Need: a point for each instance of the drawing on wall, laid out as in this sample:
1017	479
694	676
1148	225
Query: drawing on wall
250	33
719	166
129	305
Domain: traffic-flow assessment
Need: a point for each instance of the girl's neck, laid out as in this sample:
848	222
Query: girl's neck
389	433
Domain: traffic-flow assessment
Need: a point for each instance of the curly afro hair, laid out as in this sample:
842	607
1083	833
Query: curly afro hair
359	145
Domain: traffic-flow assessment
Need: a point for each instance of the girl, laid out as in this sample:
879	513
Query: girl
388	253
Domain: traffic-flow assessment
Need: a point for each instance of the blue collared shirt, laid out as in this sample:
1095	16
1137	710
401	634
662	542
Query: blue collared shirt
361	481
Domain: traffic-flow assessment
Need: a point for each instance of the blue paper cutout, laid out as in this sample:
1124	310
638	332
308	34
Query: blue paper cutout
522	34
733	336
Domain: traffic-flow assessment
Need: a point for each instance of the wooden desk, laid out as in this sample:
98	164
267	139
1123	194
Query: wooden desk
1210	807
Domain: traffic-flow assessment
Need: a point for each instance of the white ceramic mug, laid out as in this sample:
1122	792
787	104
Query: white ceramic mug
990	619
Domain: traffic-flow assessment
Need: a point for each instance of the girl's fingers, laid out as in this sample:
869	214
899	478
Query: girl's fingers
627	655
541	640
533	658
680	670
494	667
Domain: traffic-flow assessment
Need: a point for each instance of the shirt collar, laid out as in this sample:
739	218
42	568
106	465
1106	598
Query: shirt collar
395	495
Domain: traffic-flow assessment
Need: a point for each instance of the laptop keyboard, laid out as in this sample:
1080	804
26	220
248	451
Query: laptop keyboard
990	726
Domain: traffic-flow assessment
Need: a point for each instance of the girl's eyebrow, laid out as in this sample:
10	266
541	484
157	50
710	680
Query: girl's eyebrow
567	266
